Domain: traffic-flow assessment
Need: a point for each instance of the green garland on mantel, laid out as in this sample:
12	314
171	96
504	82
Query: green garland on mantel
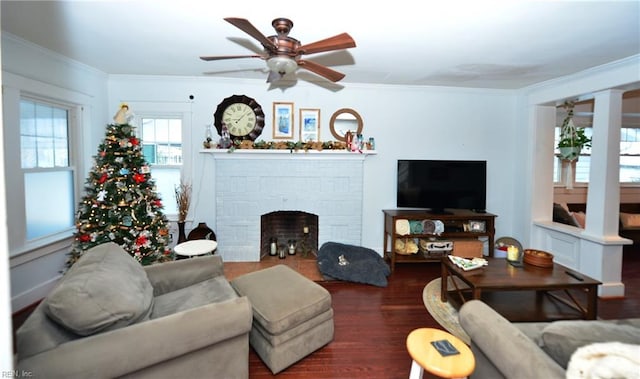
288	145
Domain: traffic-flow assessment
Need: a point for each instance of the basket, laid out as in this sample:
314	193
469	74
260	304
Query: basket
467	248
538	258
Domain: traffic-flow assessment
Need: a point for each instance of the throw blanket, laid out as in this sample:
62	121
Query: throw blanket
611	360
352	263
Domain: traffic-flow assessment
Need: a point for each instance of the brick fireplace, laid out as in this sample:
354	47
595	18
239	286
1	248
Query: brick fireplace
252	183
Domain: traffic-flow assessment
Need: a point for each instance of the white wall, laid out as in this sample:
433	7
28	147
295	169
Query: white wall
6	348
406	122
27	67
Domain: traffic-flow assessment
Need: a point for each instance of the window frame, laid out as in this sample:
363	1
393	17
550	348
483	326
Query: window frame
16	89
174	110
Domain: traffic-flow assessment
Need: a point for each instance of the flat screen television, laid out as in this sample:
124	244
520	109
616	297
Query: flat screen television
440	184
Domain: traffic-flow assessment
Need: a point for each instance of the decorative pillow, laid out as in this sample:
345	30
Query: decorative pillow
562	338
630	220
352	263
560	214
580	218
105	289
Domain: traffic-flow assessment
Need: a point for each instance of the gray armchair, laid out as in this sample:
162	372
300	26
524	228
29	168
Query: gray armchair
110	317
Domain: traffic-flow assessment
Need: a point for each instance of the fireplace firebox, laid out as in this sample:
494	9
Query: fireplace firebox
282	227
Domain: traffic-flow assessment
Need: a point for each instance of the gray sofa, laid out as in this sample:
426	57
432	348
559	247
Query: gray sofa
111	317
534	350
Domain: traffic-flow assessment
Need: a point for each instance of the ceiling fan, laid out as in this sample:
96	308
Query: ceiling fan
283	53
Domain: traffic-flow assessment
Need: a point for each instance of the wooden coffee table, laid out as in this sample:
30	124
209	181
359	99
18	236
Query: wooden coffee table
527	293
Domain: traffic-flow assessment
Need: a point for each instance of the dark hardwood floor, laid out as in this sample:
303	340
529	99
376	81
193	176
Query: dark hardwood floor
371	324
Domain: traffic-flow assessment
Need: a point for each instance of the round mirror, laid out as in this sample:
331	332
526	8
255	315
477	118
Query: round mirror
344	120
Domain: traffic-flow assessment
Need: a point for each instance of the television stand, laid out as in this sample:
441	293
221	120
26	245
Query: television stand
459	224
439	211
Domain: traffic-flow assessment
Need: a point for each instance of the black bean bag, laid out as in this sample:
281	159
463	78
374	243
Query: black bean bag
352	263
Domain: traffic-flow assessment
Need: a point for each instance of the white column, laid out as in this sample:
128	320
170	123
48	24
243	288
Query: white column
601	254
603	199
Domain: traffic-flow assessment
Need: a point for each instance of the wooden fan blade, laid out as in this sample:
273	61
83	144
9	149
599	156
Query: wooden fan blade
221	57
341	41
247	27
321	70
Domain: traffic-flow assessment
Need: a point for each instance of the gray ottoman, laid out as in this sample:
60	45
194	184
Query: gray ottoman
292	315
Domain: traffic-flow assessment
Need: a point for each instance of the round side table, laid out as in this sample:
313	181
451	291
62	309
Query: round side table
426	357
195	248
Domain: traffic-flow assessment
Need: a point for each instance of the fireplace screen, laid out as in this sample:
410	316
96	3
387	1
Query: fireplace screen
283	227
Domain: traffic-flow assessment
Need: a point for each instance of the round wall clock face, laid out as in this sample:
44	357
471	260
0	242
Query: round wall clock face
242	116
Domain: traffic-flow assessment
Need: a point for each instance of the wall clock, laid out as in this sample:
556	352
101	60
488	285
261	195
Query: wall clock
242	115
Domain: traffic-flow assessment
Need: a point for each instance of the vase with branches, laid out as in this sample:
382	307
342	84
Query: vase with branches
183	199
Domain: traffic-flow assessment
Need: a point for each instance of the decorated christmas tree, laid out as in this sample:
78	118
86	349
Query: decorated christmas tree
120	203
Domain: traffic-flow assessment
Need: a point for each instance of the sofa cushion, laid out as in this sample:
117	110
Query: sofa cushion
105	289
561	338
214	290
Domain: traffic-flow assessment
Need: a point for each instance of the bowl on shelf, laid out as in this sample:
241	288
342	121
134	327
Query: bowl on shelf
538	258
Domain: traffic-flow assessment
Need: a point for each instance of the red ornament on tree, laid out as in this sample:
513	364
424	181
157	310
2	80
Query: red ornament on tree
85	238
134	141
139	178
103	178
141	240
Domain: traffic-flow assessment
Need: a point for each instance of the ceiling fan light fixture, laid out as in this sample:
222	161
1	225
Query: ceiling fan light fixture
282	65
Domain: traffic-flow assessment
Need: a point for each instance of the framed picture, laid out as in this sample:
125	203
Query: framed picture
309	124
477	226
282	120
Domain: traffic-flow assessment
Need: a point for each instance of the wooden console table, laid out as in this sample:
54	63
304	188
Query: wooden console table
454	228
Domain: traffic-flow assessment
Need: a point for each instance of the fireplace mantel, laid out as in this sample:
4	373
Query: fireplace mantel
286	154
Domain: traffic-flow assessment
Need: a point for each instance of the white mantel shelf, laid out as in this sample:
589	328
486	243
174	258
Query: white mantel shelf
286	154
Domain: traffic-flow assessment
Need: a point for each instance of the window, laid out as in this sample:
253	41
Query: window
630	155
629	150
162	147
45	161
